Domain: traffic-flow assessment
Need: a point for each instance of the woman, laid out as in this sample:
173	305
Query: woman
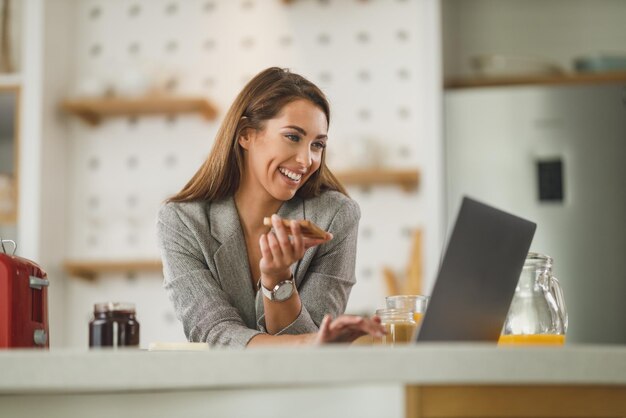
231	280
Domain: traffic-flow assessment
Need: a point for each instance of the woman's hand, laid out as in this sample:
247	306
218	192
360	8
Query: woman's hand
347	328
279	252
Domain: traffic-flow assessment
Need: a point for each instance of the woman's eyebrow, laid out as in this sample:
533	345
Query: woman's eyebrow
303	132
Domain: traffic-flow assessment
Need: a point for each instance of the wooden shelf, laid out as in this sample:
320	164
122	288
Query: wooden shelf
554	80
92	111
8	220
90	269
407	179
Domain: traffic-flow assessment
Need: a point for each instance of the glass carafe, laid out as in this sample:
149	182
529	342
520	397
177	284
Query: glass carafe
537	315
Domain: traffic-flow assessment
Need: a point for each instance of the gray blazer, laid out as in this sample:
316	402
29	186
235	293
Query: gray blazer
207	276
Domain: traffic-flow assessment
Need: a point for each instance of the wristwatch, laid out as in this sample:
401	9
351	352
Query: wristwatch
281	292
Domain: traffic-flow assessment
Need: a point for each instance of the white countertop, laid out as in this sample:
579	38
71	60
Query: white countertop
61	371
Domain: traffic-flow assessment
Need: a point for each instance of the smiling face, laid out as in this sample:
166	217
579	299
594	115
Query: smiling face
282	156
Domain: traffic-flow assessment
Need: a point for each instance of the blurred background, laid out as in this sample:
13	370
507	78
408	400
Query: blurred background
107	107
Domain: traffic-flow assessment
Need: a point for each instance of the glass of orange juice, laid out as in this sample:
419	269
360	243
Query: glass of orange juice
413	303
400	327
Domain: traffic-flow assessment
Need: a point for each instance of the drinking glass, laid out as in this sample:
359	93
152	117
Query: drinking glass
416	304
400	326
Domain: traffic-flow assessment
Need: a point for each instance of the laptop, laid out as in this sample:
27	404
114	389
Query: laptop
478	275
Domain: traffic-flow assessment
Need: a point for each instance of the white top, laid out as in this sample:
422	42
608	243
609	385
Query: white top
426	364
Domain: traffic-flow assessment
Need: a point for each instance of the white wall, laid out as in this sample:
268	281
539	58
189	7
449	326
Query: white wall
58	75
557	30
9	231
377	62
43	148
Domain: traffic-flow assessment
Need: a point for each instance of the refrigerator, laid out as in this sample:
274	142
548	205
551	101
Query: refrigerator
555	155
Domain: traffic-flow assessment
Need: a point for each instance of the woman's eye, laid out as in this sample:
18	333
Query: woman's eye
319	145
292	137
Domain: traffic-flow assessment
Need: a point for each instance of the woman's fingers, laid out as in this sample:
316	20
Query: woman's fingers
374	328
323	335
344	321
347	328
298	243
291	248
277	253
283	238
348	323
265	249
352	335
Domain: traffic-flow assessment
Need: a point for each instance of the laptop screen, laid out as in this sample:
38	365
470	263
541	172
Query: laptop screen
478	275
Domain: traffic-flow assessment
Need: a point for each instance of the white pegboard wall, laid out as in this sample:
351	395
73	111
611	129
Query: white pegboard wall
365	55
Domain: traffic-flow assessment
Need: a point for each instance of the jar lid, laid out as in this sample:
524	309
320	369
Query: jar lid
391	314
114	307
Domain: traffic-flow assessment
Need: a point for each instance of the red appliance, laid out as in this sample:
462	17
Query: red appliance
23	302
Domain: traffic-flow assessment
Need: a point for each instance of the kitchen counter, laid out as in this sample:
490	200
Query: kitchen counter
425	380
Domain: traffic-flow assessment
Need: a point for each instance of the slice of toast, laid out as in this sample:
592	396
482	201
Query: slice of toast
308	228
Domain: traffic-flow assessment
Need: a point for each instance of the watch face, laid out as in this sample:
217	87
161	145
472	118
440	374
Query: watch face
284	291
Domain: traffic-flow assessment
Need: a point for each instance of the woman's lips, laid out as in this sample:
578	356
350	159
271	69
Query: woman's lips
288	180
292	174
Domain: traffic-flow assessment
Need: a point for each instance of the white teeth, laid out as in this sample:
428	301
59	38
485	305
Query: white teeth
293	176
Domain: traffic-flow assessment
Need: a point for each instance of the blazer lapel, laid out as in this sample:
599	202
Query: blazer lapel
292	209
231	258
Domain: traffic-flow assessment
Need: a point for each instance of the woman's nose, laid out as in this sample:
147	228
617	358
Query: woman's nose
304	157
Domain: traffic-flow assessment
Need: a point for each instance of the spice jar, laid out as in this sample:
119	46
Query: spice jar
114	325
400	326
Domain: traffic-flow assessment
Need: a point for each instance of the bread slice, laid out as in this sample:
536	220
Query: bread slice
308	228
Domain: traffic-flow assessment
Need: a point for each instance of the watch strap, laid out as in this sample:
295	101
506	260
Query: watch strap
270	293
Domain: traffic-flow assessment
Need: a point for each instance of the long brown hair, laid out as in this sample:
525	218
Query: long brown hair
261	99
